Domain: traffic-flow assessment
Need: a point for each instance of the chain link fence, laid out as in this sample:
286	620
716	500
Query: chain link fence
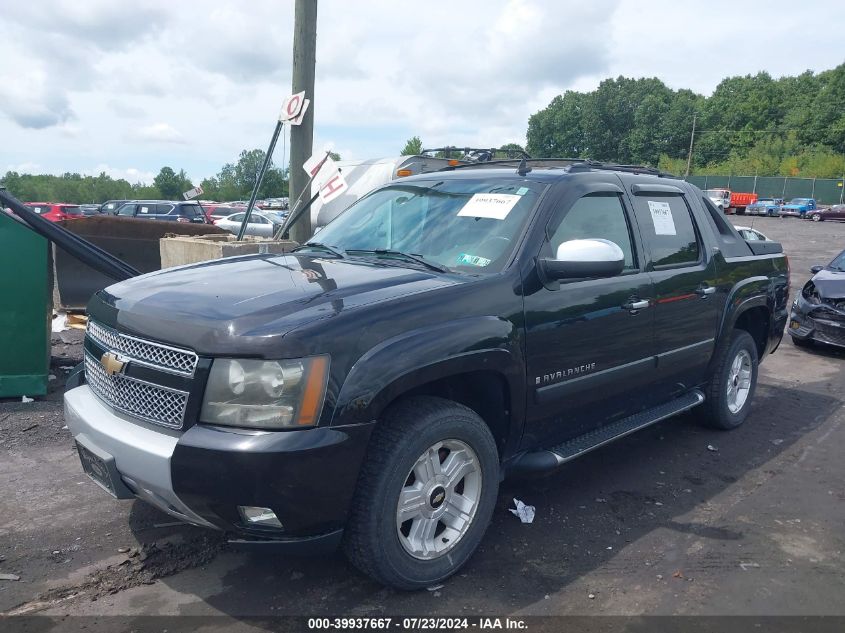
824	190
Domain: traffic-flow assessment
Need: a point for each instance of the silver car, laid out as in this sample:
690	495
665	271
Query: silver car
261	223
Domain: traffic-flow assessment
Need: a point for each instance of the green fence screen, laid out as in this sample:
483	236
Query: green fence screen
825	190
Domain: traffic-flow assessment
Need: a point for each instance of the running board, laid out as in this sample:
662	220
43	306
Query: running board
545	461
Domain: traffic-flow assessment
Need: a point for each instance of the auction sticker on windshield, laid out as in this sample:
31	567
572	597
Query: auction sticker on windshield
661	217
490	205
473	260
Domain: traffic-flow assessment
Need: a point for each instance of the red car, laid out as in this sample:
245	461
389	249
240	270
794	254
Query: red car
55	212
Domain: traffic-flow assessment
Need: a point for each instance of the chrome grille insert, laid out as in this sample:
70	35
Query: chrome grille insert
156	355
138	398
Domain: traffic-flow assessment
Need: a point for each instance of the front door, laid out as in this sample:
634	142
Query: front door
590	342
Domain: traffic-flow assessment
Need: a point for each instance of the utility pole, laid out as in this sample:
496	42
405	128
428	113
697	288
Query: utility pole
302	136
691	139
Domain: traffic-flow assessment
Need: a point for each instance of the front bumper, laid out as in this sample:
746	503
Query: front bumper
808	322
201	476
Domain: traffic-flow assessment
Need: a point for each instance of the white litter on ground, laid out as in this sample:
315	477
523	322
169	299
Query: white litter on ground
524	512
26	399
60	323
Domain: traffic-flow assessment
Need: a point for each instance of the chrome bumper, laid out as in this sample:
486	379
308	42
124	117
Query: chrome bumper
141	453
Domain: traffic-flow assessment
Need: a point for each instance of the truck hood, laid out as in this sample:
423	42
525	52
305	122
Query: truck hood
245	305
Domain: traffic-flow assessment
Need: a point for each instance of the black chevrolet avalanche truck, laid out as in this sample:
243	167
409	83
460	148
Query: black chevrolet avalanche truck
371	389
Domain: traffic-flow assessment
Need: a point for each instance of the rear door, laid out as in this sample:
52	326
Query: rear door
680	262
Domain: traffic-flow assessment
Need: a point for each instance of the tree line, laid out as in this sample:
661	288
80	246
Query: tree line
792	126
234	181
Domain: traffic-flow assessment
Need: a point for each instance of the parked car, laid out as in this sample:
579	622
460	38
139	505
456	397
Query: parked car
836	212
818	312
219	211
262	223
765	206
371	389
168	210
753	235
56	212
111	206
798	207
90	209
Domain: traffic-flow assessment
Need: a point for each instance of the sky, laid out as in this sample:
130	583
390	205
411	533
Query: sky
94	86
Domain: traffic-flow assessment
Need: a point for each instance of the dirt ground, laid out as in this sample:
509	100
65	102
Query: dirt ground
676	519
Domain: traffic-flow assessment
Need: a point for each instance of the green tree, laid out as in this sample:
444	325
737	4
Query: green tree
413	147
172	185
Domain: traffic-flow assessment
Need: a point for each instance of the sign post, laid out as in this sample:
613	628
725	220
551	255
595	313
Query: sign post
292	110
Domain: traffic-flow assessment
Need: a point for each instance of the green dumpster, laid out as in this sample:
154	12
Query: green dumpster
25	310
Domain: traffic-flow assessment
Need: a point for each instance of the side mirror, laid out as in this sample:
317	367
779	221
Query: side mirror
584	258
816	269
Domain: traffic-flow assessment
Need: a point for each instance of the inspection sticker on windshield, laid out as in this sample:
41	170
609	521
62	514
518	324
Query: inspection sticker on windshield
490	205
661	217
473	260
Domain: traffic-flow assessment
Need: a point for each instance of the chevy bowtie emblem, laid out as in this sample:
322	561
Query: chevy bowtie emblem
112	363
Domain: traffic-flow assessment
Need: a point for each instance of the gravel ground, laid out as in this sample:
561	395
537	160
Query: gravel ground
654	524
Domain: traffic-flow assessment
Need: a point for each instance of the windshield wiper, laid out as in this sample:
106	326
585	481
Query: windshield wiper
419	259
334	250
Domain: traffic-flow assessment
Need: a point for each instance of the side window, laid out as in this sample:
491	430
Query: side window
163	209
239	217
127	209
596	217
667	226
146	209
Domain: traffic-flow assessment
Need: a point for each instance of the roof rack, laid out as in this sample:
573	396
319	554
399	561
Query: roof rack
572	165
477	154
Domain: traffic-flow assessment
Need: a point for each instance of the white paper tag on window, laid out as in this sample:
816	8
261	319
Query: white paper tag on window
661	217
490	205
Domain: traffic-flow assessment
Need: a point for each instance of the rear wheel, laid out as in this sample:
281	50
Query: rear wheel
732	385
426	493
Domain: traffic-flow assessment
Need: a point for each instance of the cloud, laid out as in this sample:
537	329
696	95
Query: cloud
160	133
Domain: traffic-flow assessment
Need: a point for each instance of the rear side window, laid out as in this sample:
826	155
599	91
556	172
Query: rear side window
595	217
163	209
146	209
667	226
72	210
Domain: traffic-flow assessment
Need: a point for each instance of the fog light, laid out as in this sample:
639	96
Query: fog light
259	517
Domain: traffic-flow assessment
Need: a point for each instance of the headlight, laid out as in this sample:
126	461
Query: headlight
265	394
810	294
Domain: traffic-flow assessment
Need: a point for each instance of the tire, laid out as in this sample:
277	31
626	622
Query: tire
718	409
817	217
375	541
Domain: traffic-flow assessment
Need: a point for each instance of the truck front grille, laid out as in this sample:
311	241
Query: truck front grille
138	398
156	355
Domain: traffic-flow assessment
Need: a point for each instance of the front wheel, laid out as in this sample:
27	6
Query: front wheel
731	388
817	217
426	493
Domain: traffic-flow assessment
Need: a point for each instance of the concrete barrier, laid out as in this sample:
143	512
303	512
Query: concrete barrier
178	250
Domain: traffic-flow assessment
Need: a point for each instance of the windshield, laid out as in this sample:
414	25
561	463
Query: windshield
838	262
716	193
798	201
469	225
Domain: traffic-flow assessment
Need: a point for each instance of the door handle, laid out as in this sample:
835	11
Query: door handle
638	304
705	291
